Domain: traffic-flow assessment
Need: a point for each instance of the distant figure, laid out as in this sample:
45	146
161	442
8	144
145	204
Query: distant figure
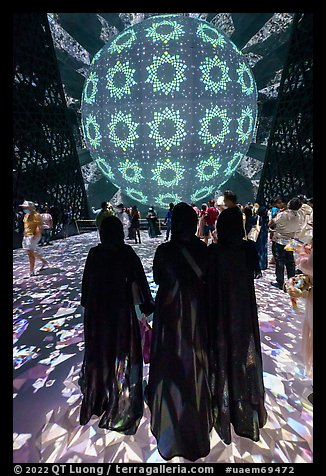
196	209
168	221
201	221
66	221
276	206
19	222
250	219
179	395
32	233
112	372
306	220
238	388
124	218
287	225
54	211
134	224
220	205
47	223
106	211
261	243
210	220
153	225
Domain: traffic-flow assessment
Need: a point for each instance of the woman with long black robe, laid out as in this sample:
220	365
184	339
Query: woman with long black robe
111	377
236	361
153	223
261	243
179	394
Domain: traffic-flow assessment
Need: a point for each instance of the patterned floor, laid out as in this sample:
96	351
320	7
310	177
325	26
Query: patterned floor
48	350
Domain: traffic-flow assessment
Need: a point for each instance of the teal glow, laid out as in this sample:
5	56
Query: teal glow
175	167
130	171
169	140
121	118
166	86
164	31
128	81
213	164
205	133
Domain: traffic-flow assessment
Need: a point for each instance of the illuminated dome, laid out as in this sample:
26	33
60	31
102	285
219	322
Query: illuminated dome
169	110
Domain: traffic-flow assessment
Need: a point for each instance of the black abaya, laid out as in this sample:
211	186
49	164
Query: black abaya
112	368
236	361
179	393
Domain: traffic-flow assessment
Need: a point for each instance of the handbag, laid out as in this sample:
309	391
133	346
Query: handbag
146	339
254	232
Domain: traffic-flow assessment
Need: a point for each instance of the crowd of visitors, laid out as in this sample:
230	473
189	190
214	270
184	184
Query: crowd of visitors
205	357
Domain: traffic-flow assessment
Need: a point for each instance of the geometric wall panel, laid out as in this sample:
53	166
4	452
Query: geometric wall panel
46	165
288	165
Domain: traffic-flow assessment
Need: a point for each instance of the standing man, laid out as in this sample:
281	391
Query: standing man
210	220
32	233
286	227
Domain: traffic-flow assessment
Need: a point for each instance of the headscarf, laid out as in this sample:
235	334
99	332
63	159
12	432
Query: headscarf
111	231
229	227
184	222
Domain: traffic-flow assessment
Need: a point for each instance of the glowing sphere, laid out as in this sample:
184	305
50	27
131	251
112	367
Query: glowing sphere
169	109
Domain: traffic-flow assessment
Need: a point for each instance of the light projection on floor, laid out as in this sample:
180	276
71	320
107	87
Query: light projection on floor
169	109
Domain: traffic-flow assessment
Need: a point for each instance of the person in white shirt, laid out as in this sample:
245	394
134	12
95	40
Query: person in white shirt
123	217
286	226
306	220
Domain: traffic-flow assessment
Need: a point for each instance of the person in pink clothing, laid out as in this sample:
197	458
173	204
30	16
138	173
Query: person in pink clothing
304	261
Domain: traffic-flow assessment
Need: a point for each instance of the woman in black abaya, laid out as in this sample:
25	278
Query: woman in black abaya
111	377
179	394
236	361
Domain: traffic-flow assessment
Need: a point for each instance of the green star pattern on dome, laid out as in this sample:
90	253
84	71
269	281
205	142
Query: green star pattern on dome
206	78
106	169
210	35
94	139
204	132
136	195
128	81
176	168
91	80
123	41
179	133
170	30
122	118
248	90
246	113
130	171
164	199
202	193
178	77
233	164
169	106
213	163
